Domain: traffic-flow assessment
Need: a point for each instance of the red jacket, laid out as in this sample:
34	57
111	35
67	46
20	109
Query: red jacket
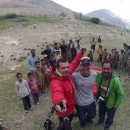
62	88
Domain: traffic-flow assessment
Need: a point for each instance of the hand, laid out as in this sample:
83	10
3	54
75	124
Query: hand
114	109
59	106
19	98
83	50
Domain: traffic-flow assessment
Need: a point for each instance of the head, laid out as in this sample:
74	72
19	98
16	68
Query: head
48	64
78	41
122	51
19	76
47	46
30	75
63	67
85	63
33	52
37	64
106	69
43	62
70	41
105	50
100	47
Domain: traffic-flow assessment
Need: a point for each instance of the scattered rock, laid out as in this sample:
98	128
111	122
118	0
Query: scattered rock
1	119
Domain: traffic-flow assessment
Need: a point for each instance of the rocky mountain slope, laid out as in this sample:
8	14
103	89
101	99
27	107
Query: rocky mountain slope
109	17
32	7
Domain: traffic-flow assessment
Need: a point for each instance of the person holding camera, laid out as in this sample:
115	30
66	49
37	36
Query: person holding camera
109	95
84	81
62	88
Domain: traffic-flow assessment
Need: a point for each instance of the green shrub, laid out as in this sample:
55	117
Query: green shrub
10	16
95	20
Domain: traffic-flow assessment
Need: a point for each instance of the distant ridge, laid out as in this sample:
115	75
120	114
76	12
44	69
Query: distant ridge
109	17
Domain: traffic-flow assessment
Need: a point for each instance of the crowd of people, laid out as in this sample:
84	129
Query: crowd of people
70	88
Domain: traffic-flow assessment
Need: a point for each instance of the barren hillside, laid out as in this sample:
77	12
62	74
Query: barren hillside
32	7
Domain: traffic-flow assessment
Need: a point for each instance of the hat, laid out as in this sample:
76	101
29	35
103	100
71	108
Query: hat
85	60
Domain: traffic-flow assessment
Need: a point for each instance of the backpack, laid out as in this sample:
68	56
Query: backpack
48	125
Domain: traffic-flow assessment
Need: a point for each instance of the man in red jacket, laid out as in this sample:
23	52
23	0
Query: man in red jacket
62	88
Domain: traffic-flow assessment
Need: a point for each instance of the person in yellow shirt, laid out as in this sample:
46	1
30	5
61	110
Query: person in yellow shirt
100	54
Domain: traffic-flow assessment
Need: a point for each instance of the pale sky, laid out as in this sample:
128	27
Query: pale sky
119	7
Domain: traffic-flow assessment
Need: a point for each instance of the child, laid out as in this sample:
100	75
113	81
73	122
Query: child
39	77
47	77
23	91
32	83
90	55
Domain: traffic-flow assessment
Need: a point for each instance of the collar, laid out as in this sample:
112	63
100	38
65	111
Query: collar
58	73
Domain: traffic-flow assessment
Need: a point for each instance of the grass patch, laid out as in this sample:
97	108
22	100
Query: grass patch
6	22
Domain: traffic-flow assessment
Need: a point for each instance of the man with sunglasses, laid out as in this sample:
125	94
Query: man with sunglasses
109	95
84	81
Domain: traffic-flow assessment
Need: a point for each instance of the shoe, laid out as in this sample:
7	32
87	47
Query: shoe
31	109
106	128
98	123
26	111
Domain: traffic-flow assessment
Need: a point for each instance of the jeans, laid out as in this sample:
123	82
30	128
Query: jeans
35	97
86	113
110	114
26	102
62	123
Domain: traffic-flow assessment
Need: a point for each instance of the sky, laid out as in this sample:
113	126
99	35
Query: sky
120	7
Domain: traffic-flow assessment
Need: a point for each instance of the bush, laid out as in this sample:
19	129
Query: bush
10	16
95	20
80	16
63	14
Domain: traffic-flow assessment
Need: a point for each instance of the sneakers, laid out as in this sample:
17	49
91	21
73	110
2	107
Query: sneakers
26	111
31	109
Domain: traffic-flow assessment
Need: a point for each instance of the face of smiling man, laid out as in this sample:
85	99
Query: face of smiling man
106	69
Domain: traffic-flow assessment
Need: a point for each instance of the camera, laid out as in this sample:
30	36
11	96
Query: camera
101	99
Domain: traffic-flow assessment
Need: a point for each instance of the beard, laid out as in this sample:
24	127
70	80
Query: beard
106	75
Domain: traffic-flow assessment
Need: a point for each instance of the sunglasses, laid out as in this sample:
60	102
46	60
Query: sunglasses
85	60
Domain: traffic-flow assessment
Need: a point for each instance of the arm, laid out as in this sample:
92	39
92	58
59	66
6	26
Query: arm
17	89
119	93
36	76
57	92
76	61
30	63
27	86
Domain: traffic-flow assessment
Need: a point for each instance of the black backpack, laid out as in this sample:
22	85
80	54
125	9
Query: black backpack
48	125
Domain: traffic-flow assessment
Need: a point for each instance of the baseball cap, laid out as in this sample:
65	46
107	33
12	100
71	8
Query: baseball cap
85	60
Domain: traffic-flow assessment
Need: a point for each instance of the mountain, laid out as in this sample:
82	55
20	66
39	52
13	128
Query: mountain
32	7
109	17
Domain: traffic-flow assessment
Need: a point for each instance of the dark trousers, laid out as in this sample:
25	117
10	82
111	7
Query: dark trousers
100	57
26	102
110	114
62	124
86	113
35	97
